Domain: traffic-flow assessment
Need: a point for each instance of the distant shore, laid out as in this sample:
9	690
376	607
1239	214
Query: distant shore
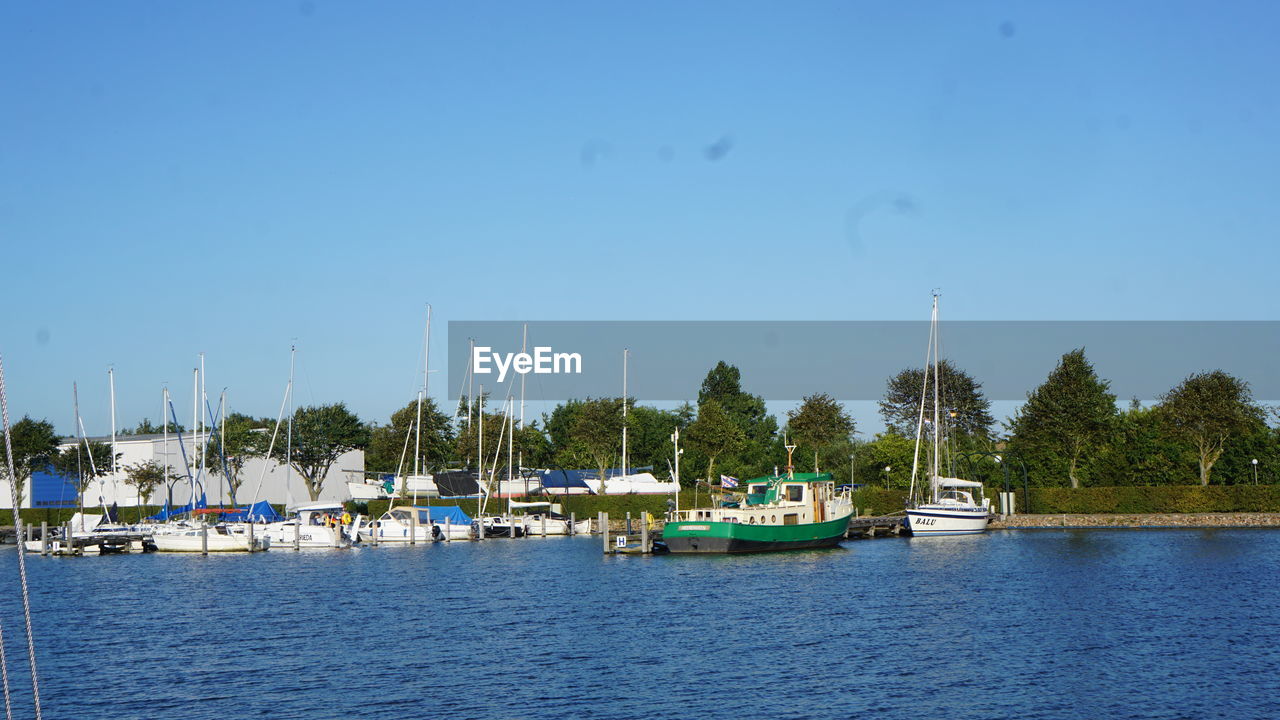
1125	520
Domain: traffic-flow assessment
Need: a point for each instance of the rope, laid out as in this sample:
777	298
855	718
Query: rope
22	563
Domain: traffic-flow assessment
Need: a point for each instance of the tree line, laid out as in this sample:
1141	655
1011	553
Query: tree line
1070	432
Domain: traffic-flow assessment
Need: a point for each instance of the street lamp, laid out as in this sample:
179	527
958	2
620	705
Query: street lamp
887	468
1255	471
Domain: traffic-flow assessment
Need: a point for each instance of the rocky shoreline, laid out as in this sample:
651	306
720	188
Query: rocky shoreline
1206	520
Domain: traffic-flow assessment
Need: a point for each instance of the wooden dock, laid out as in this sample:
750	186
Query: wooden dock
872	526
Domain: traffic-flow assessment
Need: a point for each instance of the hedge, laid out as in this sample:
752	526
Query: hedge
1154	499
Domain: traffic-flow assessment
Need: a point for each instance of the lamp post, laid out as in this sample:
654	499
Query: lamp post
887	468
1255	471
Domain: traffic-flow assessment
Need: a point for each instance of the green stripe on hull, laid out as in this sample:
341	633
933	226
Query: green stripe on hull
704	536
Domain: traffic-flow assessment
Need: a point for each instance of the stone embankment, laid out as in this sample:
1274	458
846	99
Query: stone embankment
1207	520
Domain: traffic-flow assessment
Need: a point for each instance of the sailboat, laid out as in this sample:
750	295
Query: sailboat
950	507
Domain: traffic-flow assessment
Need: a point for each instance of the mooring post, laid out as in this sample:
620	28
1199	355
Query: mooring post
413	526
337	534
644	532
544	525
448	526
628	522
250	536
374	526
44	537
297	533
604	529
204	539
69	548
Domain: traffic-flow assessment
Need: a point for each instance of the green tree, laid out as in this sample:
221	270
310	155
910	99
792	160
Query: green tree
746	411
245	437
35	446
82	466
1070	414
714	433
1207	409
597	429
146	428
962	404
321	434
819	423
649	436
389	443
887	450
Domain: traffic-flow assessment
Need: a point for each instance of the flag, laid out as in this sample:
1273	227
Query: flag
729	482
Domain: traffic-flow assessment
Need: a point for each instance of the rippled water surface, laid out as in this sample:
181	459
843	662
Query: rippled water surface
1028	624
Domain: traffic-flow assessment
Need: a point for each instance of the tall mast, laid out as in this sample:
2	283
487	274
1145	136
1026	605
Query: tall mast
224	411
524	348
937	429
471	354
625	353
204	428
195	428
164	413
288	453
111	380
511	434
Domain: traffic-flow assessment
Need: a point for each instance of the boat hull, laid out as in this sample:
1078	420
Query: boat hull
926	521
701	536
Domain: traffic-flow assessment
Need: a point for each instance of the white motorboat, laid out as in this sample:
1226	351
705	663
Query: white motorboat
420	523
642	483
210	538
950	508
307	525
548	519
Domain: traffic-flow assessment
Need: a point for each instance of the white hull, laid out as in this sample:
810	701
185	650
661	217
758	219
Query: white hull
192	542
943	520
534	526
637	484
391	534
281	536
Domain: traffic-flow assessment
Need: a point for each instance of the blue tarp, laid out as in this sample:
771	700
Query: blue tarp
452	513
168	512
261	511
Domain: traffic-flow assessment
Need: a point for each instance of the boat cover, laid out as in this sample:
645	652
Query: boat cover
955	482
260	511
457	483
452	513
167	512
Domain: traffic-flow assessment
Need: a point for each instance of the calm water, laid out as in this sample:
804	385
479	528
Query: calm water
1030	624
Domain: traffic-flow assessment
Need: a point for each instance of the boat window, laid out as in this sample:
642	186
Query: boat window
401	515
424	517
773	518
758	489
753	520
790	519
795	493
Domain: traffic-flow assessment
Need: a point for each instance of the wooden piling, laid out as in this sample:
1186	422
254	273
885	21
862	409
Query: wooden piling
44	537
604	529
204	539
413	526
573	520
644	532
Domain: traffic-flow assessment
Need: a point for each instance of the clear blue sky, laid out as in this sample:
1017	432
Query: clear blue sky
230	177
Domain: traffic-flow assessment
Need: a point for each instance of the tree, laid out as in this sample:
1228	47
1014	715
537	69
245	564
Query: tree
1071	413
714	434
962	404
748	412
146	428
35	445
245	437
819	422
387	443
1207	409
321	434
82	465
147	476
598	430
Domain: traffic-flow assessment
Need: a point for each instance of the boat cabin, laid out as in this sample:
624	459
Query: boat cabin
776	500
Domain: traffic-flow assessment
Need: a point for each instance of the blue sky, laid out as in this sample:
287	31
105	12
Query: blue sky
231	178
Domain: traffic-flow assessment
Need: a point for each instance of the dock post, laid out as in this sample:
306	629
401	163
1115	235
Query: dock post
250	536
413	526
628	522
544	525
573	521
297	534
337	535
644	532
448	526
44	537
204	539
67	547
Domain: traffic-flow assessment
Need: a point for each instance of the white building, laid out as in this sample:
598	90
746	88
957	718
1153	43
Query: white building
261	479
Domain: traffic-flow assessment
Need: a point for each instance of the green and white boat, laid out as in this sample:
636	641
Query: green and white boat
794	511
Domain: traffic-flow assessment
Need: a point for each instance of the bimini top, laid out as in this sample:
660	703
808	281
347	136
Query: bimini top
955	482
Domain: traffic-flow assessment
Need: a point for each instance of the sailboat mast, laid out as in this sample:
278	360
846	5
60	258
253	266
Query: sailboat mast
511	435
625	353
288	443
164	413
937	430
195	429
111	380
524	348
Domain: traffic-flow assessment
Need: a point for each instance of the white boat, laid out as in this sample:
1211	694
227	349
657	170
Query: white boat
643	483
214	538
953	511
306	525
548	520
397	525
950	508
